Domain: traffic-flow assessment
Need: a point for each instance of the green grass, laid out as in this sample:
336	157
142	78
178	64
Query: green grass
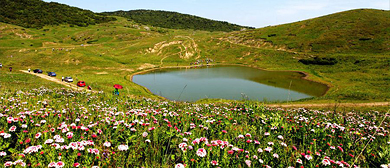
354	31
16	80
117	50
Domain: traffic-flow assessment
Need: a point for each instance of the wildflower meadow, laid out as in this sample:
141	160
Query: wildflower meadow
64	128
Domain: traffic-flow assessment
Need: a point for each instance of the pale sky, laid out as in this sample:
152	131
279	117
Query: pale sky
255	13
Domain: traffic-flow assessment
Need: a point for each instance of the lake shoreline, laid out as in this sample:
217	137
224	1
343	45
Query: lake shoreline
305	75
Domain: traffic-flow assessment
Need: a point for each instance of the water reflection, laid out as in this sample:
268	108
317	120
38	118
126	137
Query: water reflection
229	82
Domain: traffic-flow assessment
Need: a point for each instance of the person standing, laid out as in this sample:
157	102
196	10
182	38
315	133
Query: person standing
28	69
62	78
10	69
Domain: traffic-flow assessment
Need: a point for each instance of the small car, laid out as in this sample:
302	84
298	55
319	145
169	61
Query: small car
37	71
81	84
68	79
53	74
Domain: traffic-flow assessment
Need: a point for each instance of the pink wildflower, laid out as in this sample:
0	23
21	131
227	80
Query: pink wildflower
340	148
214	163
38	135
60	164
248	163
8	164
179	165
12	129
201	152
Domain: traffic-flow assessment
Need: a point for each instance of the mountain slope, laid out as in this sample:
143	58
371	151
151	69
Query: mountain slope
360	30
37	13
176	20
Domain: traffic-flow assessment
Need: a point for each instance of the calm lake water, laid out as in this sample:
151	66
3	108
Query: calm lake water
229	82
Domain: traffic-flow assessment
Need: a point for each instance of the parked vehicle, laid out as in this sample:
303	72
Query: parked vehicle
52	74
37	71
81	84
68	79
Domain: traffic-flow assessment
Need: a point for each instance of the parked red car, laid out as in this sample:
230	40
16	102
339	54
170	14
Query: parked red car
81	84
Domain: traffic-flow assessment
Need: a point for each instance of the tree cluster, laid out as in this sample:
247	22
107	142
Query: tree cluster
174	20
37	13
319	61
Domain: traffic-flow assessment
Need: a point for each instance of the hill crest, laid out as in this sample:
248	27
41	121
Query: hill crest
175	20
359	30
37	13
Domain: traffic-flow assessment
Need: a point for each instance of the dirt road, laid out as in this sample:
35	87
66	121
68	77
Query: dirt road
331	105
56	80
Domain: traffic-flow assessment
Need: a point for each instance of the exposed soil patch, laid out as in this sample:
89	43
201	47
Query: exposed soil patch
188	47
146	66
102	73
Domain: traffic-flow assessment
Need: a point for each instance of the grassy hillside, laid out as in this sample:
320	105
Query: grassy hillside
37	13
360	30
108	53
174	20
104	130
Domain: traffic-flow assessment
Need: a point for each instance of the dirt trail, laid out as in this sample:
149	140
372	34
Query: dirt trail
187	45
331	105
53	79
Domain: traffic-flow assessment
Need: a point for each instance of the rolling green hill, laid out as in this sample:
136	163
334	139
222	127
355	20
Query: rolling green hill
360	30
174	20
111	52
37	13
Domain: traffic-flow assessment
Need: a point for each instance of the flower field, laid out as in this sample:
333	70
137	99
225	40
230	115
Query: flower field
64	128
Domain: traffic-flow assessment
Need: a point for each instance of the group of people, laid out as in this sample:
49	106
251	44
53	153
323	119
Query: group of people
199	62
60	49
116	92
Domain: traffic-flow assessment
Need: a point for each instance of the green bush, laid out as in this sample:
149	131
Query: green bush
319	61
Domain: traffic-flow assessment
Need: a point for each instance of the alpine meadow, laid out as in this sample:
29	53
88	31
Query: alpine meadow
69	95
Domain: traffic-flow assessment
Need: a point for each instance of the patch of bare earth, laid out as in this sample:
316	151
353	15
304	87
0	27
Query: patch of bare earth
146	66
187	45
102	73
